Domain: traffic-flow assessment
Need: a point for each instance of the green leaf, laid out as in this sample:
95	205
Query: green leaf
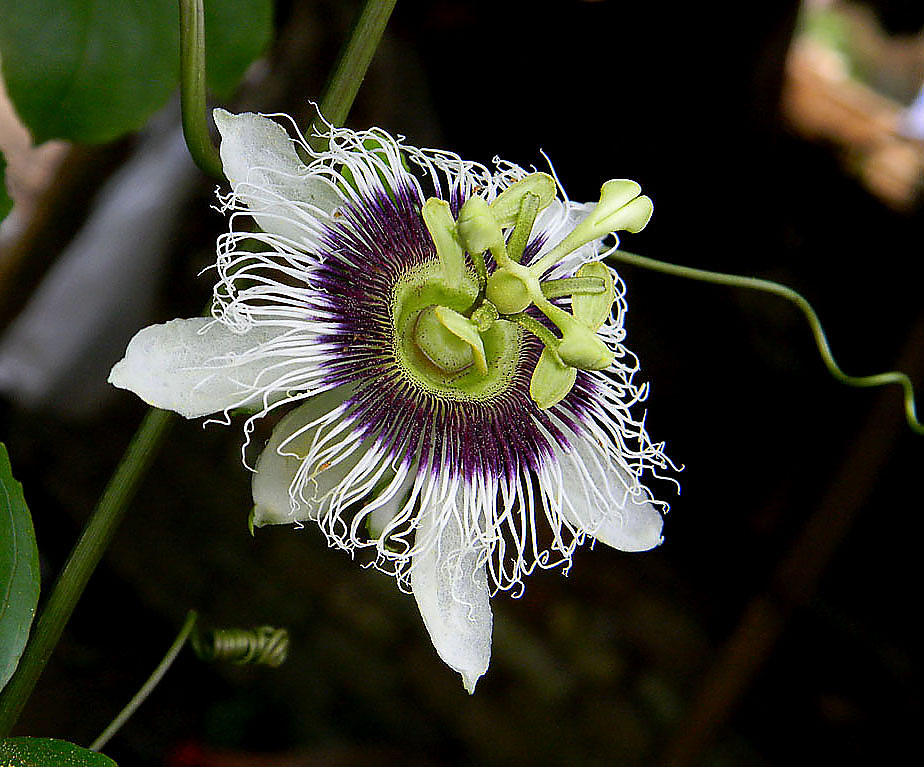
19	570
92	70
6	203
236	33
88	70
47	752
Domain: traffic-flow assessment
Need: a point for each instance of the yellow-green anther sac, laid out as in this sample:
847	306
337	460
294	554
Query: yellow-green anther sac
526	217
620	209
478	229
466	331
506	206
442	228
581	347
551	381
443	347
570	286
593	309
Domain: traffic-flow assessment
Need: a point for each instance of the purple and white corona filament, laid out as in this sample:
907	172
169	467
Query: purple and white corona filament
464	407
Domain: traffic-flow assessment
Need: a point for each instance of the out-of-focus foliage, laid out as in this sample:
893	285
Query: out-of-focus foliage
5	202
236	32
19	570
45	752
92	71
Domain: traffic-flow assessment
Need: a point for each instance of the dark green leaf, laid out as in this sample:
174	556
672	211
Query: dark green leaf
92	70
236	33
19	570
88	70
46	752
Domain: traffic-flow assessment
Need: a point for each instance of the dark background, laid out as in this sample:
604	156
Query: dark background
776	623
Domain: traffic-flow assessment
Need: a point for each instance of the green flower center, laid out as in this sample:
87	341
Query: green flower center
433	356
457	328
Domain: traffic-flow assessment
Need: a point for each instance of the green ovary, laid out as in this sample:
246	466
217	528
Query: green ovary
448	371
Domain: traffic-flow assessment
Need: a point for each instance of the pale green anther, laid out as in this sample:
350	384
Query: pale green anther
508	292
593	309
582	348
614	195
571	286
466	331
478	229
620	209
442	346
506	206
519	237
484	316
442	228
631	217
551	381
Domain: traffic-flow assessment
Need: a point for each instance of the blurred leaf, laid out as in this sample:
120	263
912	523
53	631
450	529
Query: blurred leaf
19	570
92	70
236	33
88	70
46	752
6	204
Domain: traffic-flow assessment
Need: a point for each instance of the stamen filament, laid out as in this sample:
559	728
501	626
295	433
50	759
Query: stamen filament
570	286
530	323
526	217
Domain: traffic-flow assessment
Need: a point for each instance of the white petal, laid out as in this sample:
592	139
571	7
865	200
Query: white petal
597	499
452	595
266	173
274	472
194	367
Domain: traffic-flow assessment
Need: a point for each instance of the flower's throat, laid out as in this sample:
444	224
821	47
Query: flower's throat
453	339
427	344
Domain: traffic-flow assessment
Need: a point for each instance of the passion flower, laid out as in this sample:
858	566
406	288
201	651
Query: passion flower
465	408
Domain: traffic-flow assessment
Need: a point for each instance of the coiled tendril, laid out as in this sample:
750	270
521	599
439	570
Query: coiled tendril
263	645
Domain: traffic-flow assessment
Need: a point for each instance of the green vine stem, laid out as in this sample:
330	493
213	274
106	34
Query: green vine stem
149	685
350	69
192	89
767	286
86	554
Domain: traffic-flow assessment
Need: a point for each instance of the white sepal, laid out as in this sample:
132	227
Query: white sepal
266	173
275	502
605	501
451	589
195	367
